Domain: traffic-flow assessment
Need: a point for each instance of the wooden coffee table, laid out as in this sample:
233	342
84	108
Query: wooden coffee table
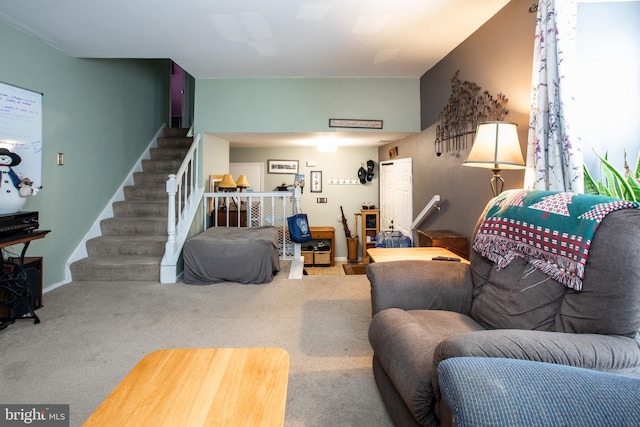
420	253
200	387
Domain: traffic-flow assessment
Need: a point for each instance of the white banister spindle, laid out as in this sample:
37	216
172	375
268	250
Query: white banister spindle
261	209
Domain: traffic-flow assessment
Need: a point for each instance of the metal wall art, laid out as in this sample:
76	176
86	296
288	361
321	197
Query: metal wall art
467	107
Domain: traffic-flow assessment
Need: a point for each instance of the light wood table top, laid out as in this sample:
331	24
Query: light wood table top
420	253
200	387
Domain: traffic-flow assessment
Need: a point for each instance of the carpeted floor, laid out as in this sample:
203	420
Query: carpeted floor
93	333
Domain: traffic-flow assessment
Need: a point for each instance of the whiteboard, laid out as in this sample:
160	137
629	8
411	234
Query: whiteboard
21	129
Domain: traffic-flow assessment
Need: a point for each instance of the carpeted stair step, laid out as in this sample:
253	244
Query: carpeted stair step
174	142
128	226
152	246
150	178
133	241
117	268
168	153
140	208
175	132
161	166
142	193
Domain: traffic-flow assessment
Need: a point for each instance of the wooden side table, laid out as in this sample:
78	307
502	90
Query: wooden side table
324	233
448	239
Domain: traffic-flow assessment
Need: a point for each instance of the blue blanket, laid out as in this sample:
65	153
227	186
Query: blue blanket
551	230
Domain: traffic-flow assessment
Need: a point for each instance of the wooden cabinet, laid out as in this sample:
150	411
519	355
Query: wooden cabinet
448	239
233	217
323	237
370	230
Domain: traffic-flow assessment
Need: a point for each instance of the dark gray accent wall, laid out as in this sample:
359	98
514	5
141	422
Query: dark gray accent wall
498	57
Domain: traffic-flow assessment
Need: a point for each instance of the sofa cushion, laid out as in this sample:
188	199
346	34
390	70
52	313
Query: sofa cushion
525	393
515	297
403	343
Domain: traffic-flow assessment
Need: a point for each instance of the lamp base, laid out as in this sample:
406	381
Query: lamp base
497	183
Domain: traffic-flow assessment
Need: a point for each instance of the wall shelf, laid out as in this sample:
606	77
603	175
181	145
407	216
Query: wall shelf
370	230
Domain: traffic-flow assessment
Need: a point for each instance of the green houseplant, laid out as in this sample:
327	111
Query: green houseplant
622	185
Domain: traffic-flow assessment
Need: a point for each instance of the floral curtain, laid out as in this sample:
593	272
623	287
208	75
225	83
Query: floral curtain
554	154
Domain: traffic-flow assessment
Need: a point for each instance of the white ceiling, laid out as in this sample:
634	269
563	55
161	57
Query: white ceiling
259	38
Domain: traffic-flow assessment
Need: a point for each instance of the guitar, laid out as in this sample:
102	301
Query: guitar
347	232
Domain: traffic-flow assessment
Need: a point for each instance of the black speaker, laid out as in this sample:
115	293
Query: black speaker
31	276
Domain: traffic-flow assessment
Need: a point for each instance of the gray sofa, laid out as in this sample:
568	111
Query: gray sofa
427	311
482	391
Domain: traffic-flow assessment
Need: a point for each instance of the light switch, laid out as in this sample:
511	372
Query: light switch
60	159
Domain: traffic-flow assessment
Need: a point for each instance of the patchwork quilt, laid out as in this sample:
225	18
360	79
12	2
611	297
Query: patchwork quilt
551	230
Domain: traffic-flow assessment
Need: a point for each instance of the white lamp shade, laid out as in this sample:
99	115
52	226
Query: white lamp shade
496	146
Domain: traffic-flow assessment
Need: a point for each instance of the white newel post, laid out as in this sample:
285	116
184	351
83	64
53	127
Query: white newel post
171	214
297	195
296	270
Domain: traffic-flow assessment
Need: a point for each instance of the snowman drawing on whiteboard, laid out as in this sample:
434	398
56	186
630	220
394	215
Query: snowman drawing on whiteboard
14	189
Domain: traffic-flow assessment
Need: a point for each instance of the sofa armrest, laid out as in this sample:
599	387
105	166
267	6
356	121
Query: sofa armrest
416	285
592	351
508	392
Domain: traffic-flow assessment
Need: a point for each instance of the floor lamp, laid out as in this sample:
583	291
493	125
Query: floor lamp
496	147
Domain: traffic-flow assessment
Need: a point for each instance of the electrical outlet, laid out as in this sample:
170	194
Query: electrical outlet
321	200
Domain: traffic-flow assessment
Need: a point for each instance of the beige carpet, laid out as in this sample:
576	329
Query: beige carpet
93	333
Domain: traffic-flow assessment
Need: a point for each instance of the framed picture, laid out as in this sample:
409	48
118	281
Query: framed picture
282	166
316	181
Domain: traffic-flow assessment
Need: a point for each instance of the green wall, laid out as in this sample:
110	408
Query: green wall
101	114
304	104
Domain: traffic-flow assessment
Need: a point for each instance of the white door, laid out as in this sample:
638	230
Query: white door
396	195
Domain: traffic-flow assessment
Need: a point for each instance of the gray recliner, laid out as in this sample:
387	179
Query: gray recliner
427	311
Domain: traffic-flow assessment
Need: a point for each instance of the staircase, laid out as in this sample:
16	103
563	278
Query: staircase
133	241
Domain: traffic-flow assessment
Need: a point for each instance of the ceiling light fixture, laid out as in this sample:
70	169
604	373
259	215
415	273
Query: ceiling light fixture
327	146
